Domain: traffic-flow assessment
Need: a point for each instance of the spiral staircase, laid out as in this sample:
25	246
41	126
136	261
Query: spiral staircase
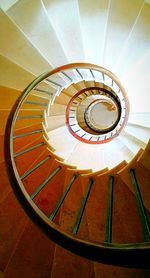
75	150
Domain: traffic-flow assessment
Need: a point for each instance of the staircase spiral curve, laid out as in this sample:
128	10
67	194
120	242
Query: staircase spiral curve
74	145
39	182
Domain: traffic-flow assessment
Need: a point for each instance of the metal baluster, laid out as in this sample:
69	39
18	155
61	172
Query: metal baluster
29	149
140	206
42	185
36	103
27	173
29	117
27	133
108	232
83	204
79	73
61	200
65	74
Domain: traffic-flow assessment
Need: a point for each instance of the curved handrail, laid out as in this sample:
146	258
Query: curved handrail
117	128
117	254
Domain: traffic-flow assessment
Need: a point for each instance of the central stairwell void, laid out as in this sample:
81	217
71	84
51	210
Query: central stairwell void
78	134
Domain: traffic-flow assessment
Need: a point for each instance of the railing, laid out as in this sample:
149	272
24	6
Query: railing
27	154
79	104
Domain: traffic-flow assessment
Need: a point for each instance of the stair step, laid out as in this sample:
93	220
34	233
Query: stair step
79	86
123	272
26	136
51	193
20	78
29	118
35	102
5	187
71	204
53	122
126	225
70	91
134	141
142	119
117	13
62	29
139	32
144	159
48	46
96	208
57	109
68	213
72	266
29	57
33	255
62	99
90	28
26	156
8	97
11	227
61	137
39	175
140	133
143	177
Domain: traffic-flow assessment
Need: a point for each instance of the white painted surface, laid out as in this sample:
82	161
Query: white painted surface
94	16
113	33
137	44
19	50
142	119
122	16
13	76
32	18
6	4
64	16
